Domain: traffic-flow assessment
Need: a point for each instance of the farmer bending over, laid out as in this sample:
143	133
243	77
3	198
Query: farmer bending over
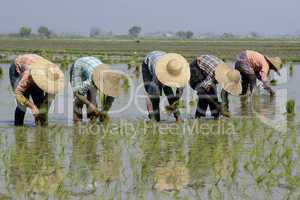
88	75
206	72
32	75
161	71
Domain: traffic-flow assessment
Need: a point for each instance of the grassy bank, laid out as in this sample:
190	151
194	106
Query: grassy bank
123	50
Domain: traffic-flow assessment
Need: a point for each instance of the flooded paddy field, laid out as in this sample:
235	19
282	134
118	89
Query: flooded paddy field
253	155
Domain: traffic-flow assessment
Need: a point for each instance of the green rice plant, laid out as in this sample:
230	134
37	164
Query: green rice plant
290	107
292	69
65	63
126	84
273	82
1	72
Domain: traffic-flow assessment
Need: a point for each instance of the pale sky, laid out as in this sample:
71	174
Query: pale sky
270	17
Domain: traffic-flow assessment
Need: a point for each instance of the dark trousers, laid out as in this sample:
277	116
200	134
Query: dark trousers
248	80
208	98
38	96
78	104
154	91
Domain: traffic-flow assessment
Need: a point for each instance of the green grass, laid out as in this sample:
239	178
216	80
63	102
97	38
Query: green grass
291	69
124	50
290	107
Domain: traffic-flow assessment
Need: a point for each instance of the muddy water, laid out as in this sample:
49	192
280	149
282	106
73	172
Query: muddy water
132	103
255	155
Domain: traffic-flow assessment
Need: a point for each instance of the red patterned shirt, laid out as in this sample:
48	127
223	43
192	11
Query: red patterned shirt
22	67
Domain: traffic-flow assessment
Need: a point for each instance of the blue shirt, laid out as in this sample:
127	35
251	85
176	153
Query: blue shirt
81	75
151	60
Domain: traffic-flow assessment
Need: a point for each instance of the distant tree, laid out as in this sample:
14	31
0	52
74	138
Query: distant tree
94	32
185	34
180	34
254	35
44	31
189	34
135	31
227	36
25	31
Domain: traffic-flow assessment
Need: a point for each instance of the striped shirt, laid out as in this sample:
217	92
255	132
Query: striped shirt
22	63
81	75
151	60
255	63
208	65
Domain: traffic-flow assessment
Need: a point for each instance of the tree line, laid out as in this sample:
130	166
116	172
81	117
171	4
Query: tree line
133	32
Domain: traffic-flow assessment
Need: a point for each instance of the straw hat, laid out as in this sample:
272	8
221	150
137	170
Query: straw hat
107	80
173	70
47	76
229	79
275	62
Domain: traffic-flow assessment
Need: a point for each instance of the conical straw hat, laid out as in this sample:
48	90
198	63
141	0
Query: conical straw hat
173	70
107	80
229	79
276	63
47	76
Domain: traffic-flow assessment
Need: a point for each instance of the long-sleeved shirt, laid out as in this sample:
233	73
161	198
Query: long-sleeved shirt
82	72
154	87
255	63
203	71
22	63
150	80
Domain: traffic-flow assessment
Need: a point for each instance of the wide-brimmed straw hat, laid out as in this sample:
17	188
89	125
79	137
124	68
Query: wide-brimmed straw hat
107	80
173	70
229	79
47	76
275	63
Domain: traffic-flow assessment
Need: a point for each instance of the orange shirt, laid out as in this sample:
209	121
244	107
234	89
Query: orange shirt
257	62
22	63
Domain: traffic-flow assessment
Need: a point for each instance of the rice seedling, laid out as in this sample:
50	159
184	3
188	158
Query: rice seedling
290	107
291	69
1	72
273	82
126	84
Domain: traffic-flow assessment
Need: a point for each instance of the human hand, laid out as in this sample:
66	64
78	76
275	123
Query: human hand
35	110
103	117
93	109
272	93
178	120
208	89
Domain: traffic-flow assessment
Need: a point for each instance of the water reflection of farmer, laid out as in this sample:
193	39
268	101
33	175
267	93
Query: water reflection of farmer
88	75
34	169
32	75
161	72
206	72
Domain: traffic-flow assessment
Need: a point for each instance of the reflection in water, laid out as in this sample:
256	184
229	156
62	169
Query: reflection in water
254	162
150	165
171	176
32	168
